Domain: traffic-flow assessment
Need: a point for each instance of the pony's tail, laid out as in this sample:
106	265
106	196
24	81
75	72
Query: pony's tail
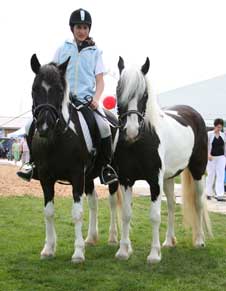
190	211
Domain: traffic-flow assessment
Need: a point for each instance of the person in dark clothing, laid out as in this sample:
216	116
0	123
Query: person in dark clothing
216	160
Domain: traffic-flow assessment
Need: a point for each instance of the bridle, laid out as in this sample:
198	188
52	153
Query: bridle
130	112
141	115
51	109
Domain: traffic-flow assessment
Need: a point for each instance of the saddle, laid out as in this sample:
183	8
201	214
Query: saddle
89	119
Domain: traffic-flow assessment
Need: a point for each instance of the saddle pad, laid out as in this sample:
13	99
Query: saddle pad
86	132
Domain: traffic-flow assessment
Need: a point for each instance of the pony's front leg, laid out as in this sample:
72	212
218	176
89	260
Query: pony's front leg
125	249
155	216
92	198
170	240
50	240
77	216
114	197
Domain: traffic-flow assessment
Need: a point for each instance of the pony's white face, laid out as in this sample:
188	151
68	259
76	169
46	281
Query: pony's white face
132	96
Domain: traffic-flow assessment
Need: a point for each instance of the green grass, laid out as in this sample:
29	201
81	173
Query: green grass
181	268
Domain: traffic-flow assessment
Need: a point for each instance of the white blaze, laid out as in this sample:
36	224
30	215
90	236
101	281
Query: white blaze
132	124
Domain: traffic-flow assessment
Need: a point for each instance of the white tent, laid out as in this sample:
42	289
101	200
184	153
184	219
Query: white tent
18	133
207	97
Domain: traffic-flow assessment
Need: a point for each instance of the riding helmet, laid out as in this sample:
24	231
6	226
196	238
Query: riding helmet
80	16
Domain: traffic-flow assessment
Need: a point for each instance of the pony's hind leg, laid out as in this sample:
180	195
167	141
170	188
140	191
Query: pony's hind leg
113	201
168	187
125	249
92	198
77	216
50	240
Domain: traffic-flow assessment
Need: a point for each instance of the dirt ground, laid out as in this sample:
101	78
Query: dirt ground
11	185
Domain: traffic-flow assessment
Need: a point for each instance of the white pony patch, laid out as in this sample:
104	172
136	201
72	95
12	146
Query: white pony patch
132	124
46	86
172	112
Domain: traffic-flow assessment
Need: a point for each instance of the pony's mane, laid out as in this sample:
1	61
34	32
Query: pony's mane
153	110
133	84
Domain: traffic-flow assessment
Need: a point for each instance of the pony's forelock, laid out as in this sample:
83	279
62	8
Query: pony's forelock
132	84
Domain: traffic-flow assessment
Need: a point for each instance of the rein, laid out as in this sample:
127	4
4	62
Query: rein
89	100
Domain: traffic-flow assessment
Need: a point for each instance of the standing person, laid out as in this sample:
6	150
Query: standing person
25	155
85	77
216	160
16	151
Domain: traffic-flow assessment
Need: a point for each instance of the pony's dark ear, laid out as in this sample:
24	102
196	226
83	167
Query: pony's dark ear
121	65
63	67
35	65
146	66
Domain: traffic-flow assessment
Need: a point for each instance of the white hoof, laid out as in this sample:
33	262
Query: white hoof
199	243
47	252
78	256
154	257
120	255
170	242
124	252
91	240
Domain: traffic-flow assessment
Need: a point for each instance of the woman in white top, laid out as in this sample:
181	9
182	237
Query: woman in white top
216	160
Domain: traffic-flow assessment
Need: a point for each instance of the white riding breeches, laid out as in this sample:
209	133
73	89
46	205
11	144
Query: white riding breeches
216	168
102	123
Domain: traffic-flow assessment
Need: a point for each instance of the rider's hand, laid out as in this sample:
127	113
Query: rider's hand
210	158
94	104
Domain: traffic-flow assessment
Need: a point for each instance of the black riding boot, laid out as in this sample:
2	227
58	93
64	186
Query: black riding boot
108	174
26	171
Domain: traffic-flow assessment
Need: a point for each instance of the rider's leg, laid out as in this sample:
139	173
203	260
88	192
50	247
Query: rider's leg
26	172
108	174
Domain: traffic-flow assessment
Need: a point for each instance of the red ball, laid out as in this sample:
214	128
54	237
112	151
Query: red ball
109	102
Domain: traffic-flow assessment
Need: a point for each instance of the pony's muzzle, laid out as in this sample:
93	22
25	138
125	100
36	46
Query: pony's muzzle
132	128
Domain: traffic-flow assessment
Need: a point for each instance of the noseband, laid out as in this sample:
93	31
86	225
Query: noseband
55	114
130	112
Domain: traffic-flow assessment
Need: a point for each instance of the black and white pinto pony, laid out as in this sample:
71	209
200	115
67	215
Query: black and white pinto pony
60	152
156	145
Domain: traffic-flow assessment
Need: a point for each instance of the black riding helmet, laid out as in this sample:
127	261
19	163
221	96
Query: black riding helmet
80	16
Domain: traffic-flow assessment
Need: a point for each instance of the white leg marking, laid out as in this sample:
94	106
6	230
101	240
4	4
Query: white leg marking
50	241
92	237
170	240
125	249
77	216
113	223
